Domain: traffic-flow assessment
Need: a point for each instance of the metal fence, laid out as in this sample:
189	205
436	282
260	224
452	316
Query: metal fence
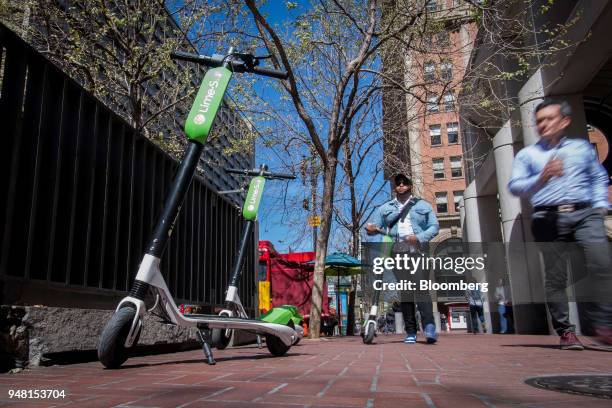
81	192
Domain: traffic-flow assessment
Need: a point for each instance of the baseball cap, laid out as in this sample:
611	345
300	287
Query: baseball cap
402	177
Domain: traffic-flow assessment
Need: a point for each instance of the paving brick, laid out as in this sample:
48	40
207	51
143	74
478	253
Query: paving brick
461	370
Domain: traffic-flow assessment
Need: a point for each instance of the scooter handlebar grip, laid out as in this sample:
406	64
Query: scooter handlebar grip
273	73
280	176
199	59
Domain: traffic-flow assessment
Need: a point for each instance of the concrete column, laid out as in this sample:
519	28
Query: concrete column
481	216
481	222
505	143
530	95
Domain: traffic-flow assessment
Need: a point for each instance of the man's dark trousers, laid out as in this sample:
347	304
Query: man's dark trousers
585	228
418	298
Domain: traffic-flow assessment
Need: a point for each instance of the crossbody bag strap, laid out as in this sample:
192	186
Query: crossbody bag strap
403	212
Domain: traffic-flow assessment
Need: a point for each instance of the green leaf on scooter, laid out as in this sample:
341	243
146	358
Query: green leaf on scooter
207	103
251	204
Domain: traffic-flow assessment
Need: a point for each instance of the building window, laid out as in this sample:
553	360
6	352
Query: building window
449	102
432	103
432	5
443	39
438	168
446	70
452	131
429	74
435	134
441	203
457	196
456	168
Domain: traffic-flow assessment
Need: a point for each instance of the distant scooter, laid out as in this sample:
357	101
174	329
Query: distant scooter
123	330
369	330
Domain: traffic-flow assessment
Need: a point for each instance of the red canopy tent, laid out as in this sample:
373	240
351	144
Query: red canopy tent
291	278
291	282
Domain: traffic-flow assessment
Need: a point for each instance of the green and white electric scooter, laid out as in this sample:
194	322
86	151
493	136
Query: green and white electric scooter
233	306
122	331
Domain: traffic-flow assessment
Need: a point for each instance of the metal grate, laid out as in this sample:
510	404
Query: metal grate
81	193
599	386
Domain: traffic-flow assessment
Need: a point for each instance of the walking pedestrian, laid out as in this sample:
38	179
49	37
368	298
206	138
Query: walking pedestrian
568	189
500	297
476	302
412	223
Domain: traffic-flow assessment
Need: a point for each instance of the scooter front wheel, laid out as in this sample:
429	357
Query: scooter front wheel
276	346
112	351
369	333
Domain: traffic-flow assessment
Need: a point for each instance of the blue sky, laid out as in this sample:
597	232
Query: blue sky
285	225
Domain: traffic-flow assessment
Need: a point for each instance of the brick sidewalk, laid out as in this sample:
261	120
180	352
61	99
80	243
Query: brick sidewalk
462	370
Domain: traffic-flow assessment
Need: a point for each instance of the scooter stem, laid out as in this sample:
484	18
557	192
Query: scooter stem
177	193
246	232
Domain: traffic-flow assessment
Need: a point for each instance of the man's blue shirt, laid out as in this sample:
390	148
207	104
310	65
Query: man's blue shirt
584	179
423	219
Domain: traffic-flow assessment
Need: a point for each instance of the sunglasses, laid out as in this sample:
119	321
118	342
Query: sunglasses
404	182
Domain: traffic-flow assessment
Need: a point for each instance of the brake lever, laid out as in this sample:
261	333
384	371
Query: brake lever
248	59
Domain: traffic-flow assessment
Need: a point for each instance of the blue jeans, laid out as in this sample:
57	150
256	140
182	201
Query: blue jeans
503	322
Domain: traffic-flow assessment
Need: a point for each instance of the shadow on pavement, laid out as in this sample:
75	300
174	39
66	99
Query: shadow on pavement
201	361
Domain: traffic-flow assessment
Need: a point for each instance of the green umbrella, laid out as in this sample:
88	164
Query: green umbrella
339	264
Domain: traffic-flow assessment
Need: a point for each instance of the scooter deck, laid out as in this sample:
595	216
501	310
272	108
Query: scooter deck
285	333
221	318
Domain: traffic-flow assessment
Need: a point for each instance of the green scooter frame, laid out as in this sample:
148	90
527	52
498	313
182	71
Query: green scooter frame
122	331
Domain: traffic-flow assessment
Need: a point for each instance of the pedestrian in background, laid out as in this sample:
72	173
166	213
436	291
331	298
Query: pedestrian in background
568	189
412	223
476	303
500	297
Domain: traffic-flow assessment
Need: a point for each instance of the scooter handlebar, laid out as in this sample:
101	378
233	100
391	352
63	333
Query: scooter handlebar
236	65
258	172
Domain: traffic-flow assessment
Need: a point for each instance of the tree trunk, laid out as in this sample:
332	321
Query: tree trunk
329	182
350	318
354	252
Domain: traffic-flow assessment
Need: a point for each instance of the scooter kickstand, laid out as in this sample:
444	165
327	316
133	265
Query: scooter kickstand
259	342
205	338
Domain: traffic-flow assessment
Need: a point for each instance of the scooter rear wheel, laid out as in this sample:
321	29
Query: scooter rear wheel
112	351
369	333
220	338
276	346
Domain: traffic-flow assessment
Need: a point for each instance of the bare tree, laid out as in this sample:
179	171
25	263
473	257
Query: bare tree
331	57
120	50
365	186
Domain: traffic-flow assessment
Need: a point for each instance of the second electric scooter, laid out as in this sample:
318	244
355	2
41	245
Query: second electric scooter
121	333
233	306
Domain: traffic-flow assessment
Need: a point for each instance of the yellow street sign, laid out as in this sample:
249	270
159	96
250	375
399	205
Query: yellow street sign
314	221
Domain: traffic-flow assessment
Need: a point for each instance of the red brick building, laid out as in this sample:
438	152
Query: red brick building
422	129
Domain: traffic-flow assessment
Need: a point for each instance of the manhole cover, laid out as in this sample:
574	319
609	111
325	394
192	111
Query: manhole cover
599	386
